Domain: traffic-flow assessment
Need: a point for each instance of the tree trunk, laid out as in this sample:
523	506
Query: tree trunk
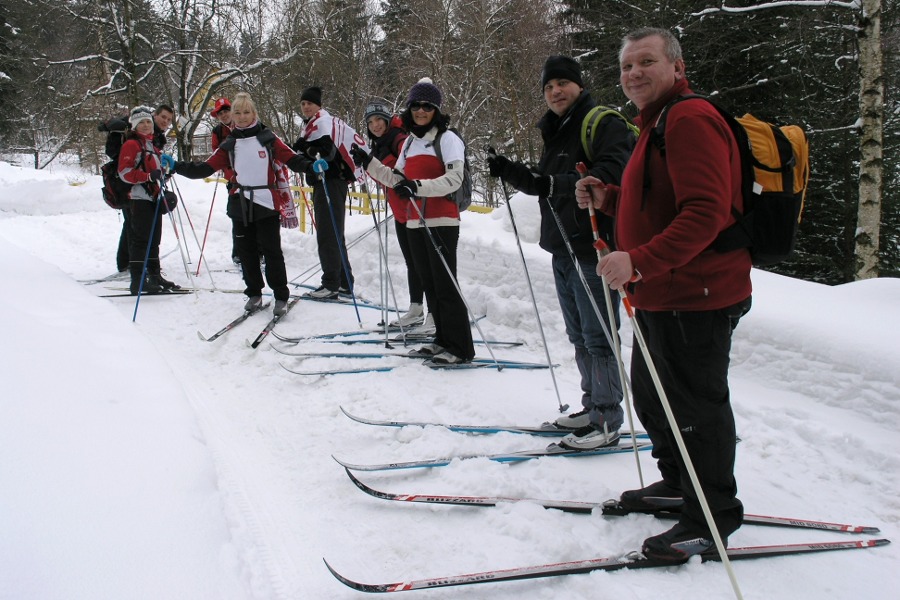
871	100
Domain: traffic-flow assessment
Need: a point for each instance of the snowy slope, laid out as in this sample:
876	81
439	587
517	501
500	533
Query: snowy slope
140	462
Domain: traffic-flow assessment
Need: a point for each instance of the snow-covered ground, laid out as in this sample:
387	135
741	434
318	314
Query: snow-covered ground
139	462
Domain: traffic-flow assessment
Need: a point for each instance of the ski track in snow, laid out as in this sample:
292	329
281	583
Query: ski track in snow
271	434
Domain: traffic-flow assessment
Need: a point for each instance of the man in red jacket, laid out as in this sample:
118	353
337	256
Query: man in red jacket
669	209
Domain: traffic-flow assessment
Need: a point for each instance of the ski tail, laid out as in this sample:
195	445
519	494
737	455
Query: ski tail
247	314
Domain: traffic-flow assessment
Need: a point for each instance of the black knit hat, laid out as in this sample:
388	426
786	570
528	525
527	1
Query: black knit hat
424	91
312	94
377	109
561	67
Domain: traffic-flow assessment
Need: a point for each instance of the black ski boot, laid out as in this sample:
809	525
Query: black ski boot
165	284
149	286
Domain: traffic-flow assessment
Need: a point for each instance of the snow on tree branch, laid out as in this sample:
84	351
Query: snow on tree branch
778	4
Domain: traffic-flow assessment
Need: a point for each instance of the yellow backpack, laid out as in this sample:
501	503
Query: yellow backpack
775	175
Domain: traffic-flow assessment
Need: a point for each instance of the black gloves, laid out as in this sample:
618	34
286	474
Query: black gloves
156	175
300	164
544	185
193	170
170	202
498	165
361	158
518	175
407	189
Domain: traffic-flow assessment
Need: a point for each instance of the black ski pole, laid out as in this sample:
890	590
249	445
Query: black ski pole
537	315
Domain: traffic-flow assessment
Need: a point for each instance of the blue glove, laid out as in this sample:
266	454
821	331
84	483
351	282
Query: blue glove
167	162
406	188
320	166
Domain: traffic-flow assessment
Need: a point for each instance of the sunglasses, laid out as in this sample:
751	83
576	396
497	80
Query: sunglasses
426	106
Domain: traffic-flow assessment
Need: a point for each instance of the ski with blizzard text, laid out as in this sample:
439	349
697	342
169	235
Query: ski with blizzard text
590	507
271	324
510	457
247	314
631	560
546	429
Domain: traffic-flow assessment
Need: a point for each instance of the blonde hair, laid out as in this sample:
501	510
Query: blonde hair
243	100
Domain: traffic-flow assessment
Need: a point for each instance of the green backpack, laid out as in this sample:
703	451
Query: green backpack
592	122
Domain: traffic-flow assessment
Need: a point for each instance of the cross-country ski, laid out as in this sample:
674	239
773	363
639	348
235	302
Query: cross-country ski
607	508
545	429
271	324
247	314
552	450
630	560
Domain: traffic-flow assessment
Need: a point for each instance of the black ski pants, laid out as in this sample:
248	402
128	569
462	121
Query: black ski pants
143	217
691	353
123	254
263	234
451	318
416	293
332	246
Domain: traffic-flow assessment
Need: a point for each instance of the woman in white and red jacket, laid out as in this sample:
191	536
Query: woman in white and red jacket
263	201
386	138
139	165
424	181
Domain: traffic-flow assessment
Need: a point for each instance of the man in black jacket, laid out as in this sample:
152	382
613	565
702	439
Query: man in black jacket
563	224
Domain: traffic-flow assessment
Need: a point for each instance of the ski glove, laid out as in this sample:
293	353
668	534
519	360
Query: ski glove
289	218
498	165
156	175
544	185
167	162
300	164
407	189
320	166
170	202
361	158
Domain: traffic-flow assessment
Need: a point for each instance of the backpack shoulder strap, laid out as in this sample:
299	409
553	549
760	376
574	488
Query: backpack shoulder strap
266	137
437	147
658	139
227	144
591	123
658	133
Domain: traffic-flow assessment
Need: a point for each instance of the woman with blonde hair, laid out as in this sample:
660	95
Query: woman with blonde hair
257	158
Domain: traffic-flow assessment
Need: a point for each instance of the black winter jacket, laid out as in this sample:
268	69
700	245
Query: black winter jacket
562	151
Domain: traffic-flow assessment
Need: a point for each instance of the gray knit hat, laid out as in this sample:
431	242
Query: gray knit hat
377	109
